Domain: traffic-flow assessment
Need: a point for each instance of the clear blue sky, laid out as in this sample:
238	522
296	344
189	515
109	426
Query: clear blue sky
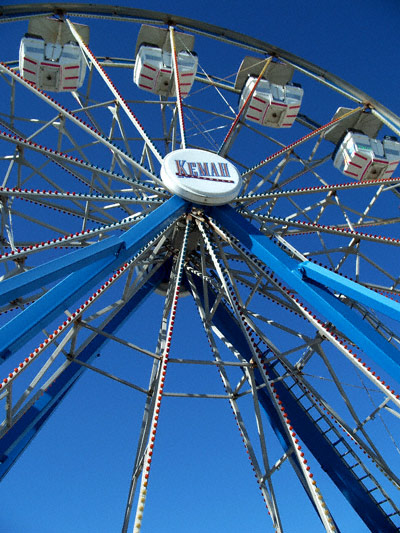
75	475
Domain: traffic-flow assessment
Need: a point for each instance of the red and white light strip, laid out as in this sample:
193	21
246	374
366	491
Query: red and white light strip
78	121
244	106
177	87
321	227
74	316
257	354
294	144
317	189
84	47
147	459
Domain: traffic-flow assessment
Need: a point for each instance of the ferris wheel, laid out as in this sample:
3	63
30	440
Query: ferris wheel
194	215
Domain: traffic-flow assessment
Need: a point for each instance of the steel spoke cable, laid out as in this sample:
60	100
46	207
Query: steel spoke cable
294	144
350	407
79	122
336	230
177	87
318	189
122	102
210	81
269	499
224	146
326	412
57	156
147	459
306	168
291	435
198	128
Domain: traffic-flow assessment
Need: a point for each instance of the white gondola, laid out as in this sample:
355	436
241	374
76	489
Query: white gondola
272	105
363	158
154	70
51	66
49	56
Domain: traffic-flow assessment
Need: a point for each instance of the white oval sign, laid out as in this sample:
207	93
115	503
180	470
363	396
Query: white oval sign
201	177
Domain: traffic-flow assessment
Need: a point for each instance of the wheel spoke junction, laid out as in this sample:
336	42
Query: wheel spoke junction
183	239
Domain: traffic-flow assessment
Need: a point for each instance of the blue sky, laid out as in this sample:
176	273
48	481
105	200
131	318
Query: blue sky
74	477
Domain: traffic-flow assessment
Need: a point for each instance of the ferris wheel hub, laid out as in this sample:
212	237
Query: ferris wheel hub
201	177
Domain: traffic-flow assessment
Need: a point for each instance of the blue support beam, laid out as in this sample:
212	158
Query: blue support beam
123	247
350	288
317	295
16	333
26	428
88	272
31	280
323	451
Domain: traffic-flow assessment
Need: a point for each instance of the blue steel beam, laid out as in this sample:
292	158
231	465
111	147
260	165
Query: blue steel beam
42	275
350	288
35	317
317	295
29	281
323	451
26	428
